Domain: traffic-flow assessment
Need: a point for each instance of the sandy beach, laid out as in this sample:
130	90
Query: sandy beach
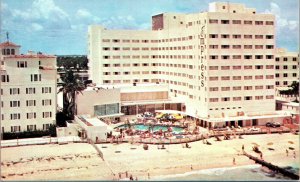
79	161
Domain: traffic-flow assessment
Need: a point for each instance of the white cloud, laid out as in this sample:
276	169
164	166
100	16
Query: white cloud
37	27
282	22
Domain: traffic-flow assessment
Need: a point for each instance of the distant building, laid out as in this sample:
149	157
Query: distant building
28	89
286	68
221	62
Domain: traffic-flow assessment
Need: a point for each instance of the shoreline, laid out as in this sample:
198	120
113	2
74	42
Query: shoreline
79	161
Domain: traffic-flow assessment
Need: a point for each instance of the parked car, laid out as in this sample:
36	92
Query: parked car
273	124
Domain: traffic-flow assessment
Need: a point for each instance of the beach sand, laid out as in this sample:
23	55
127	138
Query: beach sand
79	161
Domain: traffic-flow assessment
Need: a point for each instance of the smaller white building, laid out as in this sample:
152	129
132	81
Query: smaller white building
95	128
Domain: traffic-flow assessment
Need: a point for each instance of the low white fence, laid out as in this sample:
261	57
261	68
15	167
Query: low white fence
40	141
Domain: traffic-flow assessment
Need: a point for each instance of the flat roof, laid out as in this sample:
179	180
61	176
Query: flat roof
91	121
142	102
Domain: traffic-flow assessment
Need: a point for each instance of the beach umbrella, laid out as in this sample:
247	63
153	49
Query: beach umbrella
291	142
270	143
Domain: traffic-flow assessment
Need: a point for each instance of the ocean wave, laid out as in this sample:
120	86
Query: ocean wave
210	172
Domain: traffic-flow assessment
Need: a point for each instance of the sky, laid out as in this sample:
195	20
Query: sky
60	26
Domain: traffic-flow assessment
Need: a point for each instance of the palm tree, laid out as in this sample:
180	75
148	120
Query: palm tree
294	90
70	88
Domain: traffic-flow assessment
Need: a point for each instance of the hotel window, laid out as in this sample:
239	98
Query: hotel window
214	36
258	56
270	66
259	87
269	76
30	103
135	41
15	128
236	46
259	36
106	65
136	72
116	48
213	57
14	91
294	67
4	78
30	90
247	22
225	46
117	65
47	114
22	64
106	48
225	36
145	41
294	59
285	83
259	22
225	78
277	59
269	23
259	46
259	97
285	75
126	48
285	59
213	46
270	97
225	88
247	46
213	78
35	77
126	73
270	47
269	56
116	40
106	81
125	41
236	36
277	67
225	99
46	89
213	99
277	83
106	73
224	21
258	67
236	67
237	88
15	116
213	89
259	77
31	127
236	57
285	67
31	115
294	74
225	67
136	64
237	98
277	75
236	21
14	103
247	87
247	36
46	126
46	102
106	57
248	98
269	36
247	77
213	21
236	77
213	67
145	48
225	57
247	57
269	86
105	40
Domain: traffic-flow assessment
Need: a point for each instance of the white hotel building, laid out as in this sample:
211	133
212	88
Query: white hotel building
28	89
220	62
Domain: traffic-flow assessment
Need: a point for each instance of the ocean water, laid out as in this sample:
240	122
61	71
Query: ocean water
238	173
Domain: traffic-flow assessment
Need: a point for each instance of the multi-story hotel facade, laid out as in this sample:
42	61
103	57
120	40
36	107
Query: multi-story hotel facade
221	62
28	89
286	68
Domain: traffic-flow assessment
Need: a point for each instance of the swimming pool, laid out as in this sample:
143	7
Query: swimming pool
142	127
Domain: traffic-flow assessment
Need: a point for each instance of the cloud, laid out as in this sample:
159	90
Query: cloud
282	22
37	27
